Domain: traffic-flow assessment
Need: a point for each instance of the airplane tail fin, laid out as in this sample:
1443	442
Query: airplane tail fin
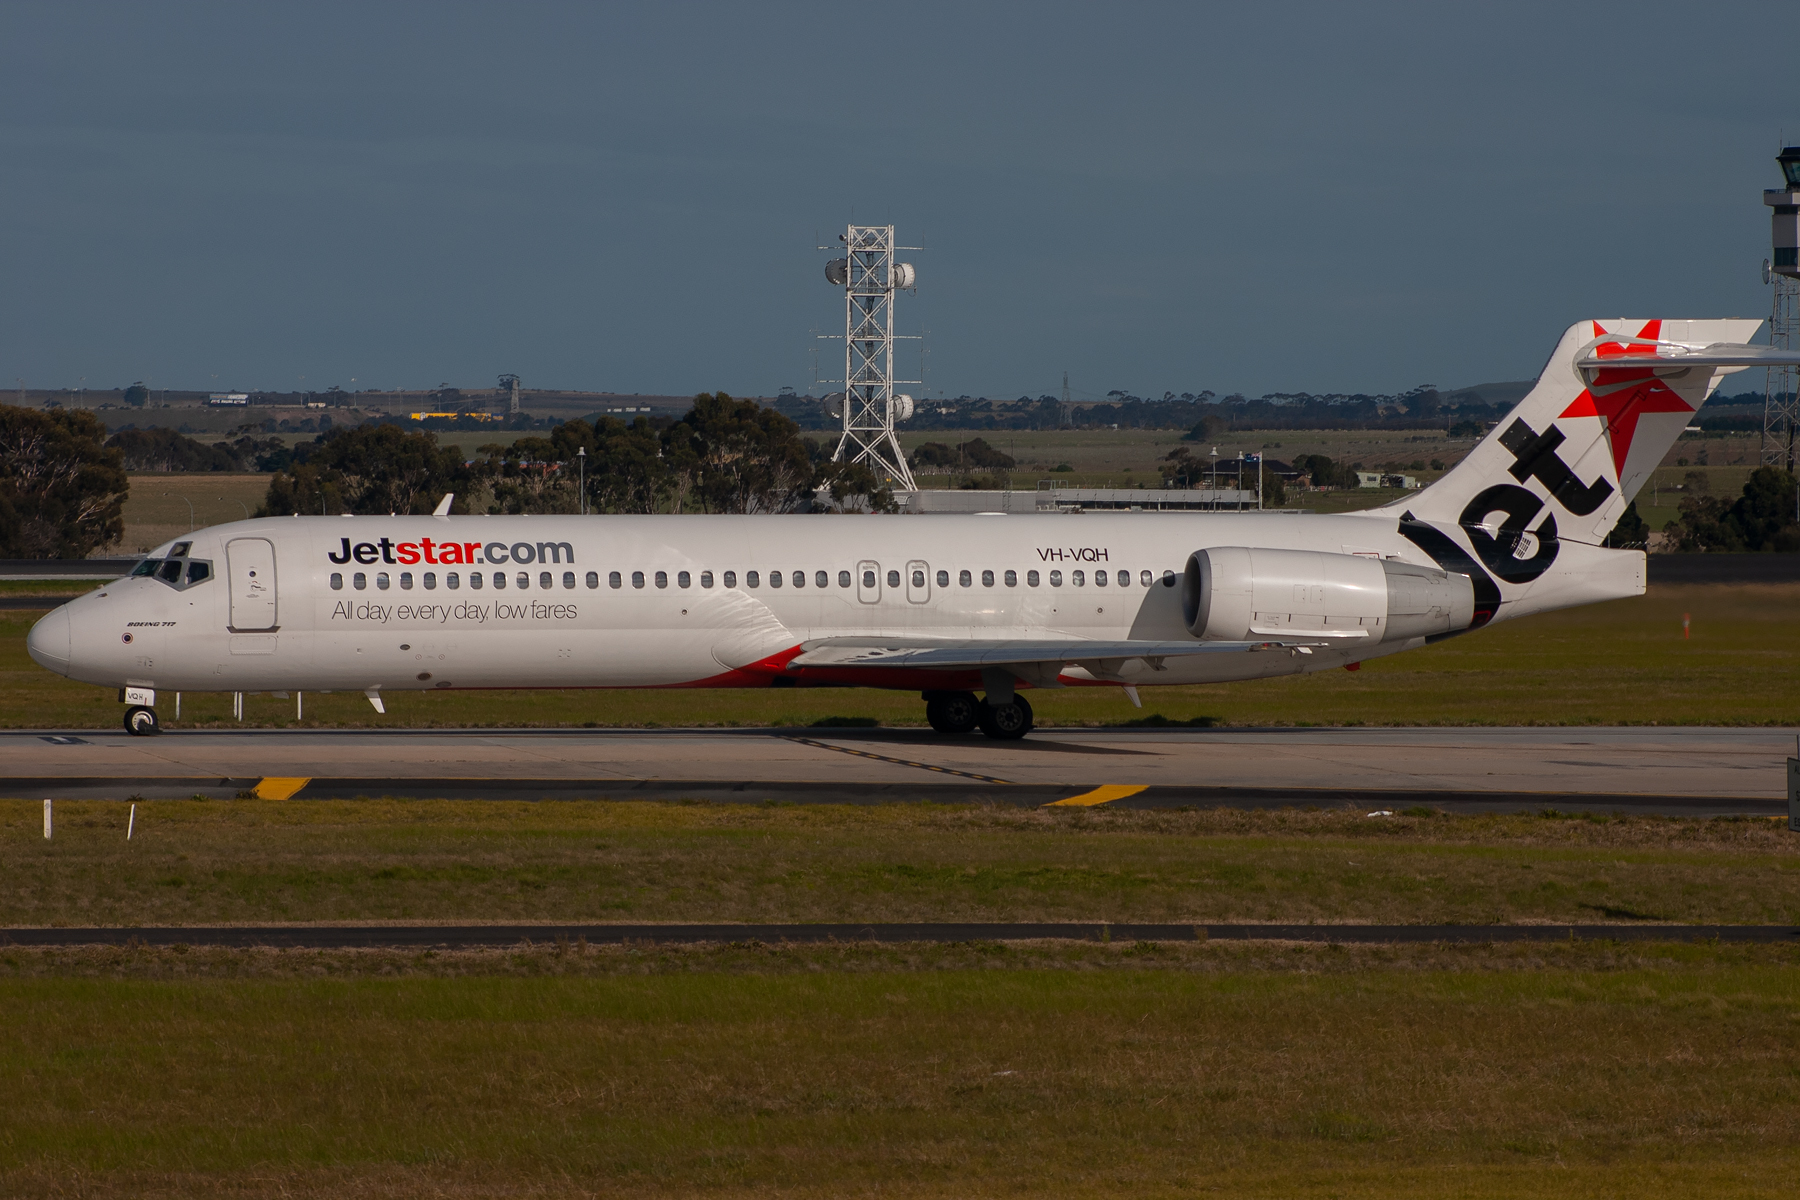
1608	405
1524	515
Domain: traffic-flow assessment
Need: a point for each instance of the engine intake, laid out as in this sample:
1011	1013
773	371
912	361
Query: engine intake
1238	593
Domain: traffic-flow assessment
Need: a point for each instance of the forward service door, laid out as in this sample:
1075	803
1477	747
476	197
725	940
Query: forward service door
250	565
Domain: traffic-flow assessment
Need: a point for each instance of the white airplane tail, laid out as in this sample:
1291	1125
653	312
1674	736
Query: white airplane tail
1554	476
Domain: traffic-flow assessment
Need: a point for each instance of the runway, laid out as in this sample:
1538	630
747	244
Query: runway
344	937
1674	771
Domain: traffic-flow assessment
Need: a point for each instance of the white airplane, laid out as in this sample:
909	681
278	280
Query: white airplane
945	605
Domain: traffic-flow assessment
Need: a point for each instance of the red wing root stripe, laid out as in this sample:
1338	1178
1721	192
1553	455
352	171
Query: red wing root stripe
899	762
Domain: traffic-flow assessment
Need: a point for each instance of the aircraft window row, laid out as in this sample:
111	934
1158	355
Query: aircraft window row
546	580
170	571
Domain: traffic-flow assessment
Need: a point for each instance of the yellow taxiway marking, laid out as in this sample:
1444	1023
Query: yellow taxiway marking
278	788
1102	795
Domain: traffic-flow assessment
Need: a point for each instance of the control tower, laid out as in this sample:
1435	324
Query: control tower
1781	270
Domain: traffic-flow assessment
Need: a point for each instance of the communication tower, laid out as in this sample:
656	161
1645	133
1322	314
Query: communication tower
868	406
1067	414
1781	408
510	385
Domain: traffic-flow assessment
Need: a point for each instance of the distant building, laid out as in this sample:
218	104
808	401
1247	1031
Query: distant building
1375	479
229	399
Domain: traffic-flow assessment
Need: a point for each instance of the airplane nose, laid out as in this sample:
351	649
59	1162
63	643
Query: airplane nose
48	641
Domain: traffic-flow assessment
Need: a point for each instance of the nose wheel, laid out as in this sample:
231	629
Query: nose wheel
141	722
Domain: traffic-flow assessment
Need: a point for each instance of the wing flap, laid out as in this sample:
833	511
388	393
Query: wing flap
952	654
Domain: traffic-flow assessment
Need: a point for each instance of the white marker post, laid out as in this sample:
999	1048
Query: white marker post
46	818
131	824
299	706
1793	793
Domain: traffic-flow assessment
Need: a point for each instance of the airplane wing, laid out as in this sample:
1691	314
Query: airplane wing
842	652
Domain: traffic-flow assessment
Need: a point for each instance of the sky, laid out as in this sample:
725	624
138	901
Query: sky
629	198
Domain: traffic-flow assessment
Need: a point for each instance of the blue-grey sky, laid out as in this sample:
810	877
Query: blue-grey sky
1292	197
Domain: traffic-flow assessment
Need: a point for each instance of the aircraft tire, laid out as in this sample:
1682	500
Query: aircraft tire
1005	722
141	722
953	712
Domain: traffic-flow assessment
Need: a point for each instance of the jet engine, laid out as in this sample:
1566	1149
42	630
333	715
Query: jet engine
1238	593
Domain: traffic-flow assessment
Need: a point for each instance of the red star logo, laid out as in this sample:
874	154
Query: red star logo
1626	392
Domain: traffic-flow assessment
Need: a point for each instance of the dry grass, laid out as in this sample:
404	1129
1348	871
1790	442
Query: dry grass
257	862
1257	1071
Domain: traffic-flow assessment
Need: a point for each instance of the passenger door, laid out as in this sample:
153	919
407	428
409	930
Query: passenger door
250	564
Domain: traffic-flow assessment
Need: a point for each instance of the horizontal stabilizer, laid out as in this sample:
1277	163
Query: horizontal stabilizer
843	652
1663	357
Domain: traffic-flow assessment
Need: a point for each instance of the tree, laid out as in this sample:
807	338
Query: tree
166	450
1631	533
371	469
1208	430
62	492
1763	518
137	395
1274	490
735	456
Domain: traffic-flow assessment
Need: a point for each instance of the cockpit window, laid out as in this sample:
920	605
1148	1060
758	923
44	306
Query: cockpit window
178	572
181	549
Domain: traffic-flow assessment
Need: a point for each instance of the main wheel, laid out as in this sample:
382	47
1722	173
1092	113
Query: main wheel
1005	722
952	712
141	722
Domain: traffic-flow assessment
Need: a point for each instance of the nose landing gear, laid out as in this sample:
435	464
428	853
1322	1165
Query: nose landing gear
141	722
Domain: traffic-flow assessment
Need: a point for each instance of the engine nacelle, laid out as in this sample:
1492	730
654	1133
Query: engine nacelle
1239	594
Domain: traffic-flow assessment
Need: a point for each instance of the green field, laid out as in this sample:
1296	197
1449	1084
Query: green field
199	862
1624	662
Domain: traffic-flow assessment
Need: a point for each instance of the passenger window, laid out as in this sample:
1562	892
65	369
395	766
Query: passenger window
198	572
637	579
475	580
1031	578
894	579
683	579
406	581
1099	578
869	579
593	580
381	580
731	579
1012	578
821	579
569	580
359	581
1056	579
752	579
1124	578
547	580
706	579
499	580
965	579
1078	578
799	578
614	579
944	579
987	579
171	572
774	578
918	579
431	581
1144	578
524	580
452	580
662	579
1168	578
844	579
337	581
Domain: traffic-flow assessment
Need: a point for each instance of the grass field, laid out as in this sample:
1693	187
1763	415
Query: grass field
1572	1071
1624	662
198	862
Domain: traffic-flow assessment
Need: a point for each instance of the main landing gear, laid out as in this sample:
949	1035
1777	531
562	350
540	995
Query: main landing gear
962	712
141	721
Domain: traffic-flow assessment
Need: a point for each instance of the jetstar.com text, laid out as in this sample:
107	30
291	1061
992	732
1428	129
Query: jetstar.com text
386	550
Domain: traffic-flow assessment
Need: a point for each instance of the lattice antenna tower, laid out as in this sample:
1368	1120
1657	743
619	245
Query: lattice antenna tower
869	407
1067	416
1781	406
